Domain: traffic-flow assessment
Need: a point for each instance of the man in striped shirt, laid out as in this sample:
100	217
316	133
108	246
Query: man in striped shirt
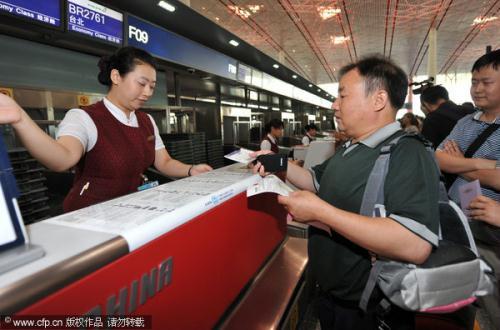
484	164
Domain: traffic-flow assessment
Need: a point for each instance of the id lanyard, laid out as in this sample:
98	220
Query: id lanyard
146	184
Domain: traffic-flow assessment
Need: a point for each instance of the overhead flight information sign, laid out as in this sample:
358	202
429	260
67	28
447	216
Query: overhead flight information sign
47	11
177	49
94	20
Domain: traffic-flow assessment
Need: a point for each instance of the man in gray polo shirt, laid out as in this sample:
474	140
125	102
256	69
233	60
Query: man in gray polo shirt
370	93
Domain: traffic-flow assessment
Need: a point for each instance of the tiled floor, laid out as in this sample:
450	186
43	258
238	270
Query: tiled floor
483	320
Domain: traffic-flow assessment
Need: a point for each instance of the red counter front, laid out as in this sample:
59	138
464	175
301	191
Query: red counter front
209	260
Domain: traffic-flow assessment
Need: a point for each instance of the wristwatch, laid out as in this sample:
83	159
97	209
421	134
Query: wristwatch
498	164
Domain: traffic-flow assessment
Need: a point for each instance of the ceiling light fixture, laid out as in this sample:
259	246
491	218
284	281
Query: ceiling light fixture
310	85
294	76
326	12
319	90
481	20
167	6
217	19
255	8
241	12
337	40
234	43
275	66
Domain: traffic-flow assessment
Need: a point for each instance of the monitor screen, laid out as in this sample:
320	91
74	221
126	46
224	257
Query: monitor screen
47	11
12	231
94	20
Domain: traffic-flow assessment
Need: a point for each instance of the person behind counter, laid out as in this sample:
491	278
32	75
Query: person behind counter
274	130
110	143
310	135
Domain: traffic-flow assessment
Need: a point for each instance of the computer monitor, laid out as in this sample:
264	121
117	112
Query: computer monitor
12	232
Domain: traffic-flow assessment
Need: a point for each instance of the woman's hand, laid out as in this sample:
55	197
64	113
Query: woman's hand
10	111
200	168
485	209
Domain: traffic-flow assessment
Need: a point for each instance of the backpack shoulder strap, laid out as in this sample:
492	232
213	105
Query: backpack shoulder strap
374	189
370	285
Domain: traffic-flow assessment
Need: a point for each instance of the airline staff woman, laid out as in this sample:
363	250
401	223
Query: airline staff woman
109	143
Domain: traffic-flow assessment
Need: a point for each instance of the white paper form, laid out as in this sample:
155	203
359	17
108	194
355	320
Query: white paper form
145	215
241	156
271	184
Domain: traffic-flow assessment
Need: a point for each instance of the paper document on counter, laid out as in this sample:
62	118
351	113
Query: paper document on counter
241	156
128	212
270	183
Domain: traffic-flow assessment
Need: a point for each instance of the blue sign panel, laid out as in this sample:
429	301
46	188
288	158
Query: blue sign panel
48	11
95	21
174	48
244	73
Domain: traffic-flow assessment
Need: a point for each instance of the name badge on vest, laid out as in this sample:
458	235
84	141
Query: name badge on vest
150	138
147	185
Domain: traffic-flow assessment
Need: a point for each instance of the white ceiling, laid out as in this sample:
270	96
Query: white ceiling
294	33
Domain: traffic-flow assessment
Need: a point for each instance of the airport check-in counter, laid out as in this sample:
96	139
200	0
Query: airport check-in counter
194	253
315	153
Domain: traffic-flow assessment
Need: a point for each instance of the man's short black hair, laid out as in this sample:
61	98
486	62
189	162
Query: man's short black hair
381	73
489	59
433	94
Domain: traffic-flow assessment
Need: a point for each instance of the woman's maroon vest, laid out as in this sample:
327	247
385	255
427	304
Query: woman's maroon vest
114	166
274	146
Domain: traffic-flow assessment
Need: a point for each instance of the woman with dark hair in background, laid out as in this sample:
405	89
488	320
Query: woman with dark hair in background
409	123
310	136
110	143
274	130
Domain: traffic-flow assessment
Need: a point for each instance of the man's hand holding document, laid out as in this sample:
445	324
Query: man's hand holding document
272	184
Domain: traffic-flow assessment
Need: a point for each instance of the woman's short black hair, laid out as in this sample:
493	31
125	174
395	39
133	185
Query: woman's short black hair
124	60
275	123
309	127
412	118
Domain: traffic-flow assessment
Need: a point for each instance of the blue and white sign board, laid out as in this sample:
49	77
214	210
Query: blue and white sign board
174	48
47	11
244	73
95	21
